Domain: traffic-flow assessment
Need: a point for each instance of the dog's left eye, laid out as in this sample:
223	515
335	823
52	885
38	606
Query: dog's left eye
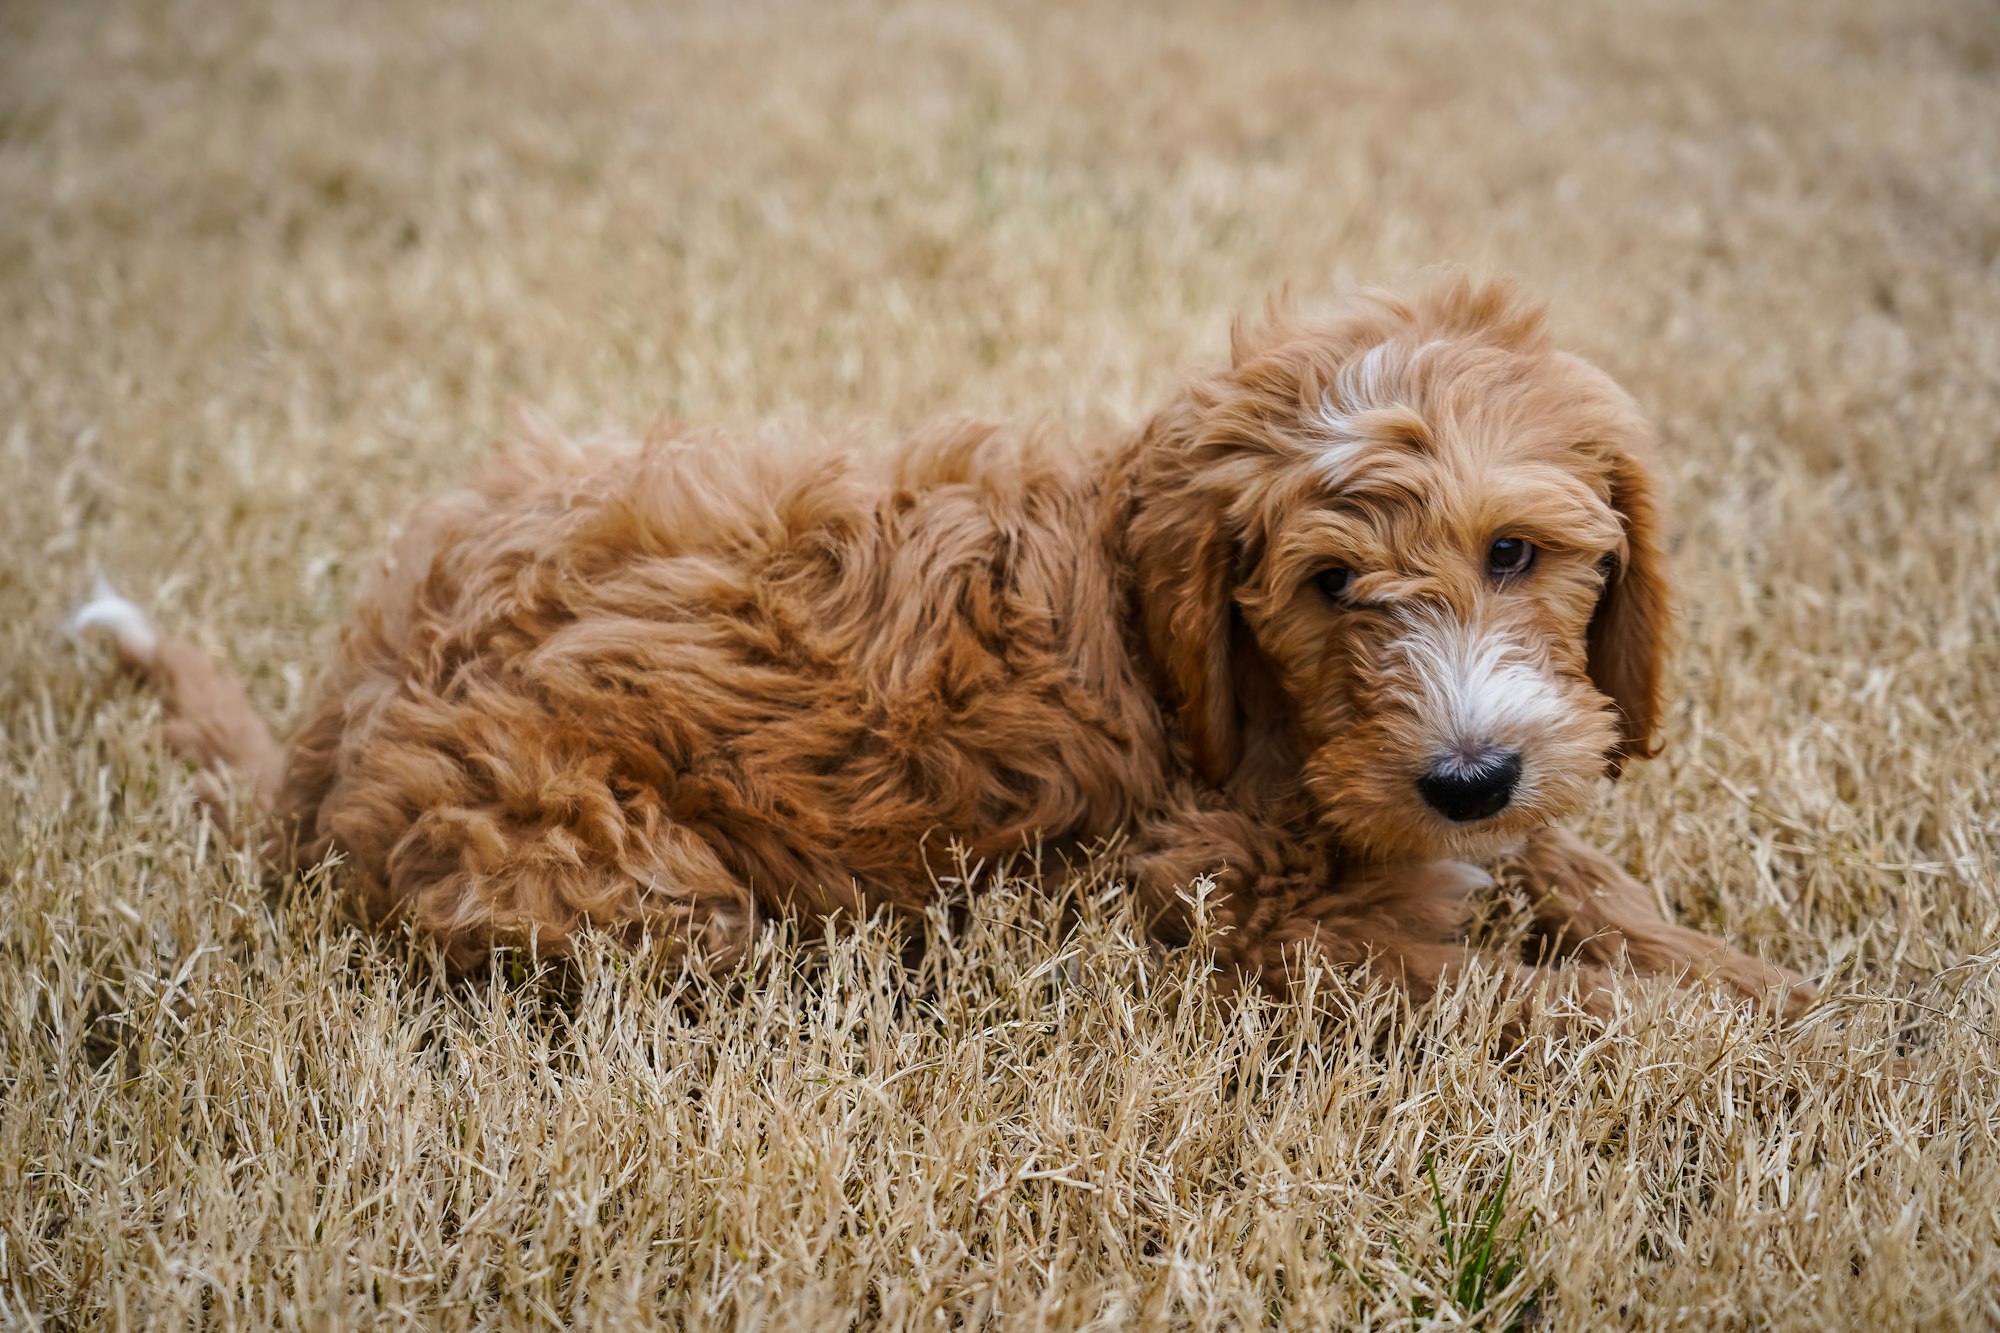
1334	583
1508	556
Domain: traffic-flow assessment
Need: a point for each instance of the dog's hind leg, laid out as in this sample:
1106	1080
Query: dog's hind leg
208	719
1584	906
476	879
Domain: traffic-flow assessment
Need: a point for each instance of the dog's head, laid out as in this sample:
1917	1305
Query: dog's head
1409	557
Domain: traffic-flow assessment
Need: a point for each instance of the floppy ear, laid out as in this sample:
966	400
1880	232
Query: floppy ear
1628	631
1183	563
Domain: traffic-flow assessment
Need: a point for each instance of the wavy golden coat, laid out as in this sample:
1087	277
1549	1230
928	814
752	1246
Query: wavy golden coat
1277	636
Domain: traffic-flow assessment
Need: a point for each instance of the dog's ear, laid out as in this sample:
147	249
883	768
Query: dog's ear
1628	631
1183	560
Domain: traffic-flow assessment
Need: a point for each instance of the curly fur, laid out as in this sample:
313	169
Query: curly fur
666	686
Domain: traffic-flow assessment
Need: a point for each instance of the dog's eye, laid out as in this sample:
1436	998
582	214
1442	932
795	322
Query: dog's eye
1335	582
1508	556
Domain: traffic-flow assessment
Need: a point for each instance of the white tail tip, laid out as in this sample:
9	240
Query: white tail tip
130	628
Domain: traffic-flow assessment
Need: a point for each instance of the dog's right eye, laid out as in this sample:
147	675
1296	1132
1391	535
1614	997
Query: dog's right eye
1334	583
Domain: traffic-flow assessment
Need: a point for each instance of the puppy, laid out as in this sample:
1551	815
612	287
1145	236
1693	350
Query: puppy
1382	598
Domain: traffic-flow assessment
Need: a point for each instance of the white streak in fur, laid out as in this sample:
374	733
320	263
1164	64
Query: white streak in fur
1359	385
1342	447
1479	688
1360	380
130	628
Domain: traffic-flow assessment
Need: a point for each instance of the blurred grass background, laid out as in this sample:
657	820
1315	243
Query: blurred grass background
269	269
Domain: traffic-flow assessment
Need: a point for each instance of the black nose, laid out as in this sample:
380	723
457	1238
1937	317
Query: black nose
1469	789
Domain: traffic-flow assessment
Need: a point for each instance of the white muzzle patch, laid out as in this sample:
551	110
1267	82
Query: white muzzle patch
1476	689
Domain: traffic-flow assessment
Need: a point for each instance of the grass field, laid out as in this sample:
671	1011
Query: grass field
269	269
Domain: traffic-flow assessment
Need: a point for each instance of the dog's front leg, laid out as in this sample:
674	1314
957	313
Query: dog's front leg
1586	907
1405	924
1282	904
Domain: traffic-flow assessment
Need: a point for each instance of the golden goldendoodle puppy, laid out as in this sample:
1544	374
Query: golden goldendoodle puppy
1383	597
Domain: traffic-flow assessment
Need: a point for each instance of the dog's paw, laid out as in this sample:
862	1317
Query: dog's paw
1760	983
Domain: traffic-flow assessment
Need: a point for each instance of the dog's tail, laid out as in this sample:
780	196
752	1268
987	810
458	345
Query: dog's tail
210	721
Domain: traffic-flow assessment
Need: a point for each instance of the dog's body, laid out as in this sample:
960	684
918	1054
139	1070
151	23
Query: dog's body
1278	636
670	685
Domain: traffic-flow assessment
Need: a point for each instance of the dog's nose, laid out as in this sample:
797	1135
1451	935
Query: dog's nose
1464	790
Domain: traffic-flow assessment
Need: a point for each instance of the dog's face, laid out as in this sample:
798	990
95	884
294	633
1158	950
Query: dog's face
1415	549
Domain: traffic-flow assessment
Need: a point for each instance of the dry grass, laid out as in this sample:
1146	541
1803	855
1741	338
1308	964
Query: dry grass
269	269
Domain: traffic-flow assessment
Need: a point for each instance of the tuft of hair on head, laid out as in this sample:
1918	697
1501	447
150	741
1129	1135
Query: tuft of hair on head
1494	308
130	628
1250	338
